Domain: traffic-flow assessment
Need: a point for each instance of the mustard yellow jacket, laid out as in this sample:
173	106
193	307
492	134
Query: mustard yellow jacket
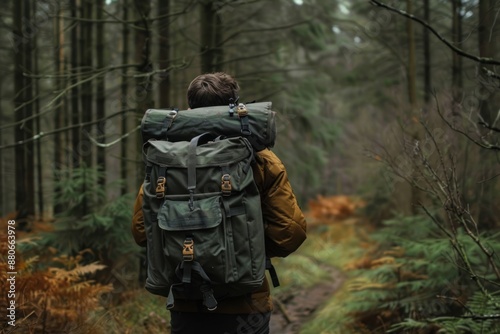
285	230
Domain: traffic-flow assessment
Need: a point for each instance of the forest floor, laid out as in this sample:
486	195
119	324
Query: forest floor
297	307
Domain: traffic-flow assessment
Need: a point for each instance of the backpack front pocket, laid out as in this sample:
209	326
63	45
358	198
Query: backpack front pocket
203	224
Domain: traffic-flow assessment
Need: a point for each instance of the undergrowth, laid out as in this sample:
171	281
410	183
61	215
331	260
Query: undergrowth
407	280
58	297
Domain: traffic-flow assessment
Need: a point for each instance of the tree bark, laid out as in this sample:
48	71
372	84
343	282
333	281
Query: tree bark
124	105
412	76
86	51
488	89
75	91
59	116
143	89
38	128
18	101
100	97
211	38
486	49
24	175
29	125
427	55
164	53
456	68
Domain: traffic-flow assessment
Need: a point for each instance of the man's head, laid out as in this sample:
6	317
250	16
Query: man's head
212	89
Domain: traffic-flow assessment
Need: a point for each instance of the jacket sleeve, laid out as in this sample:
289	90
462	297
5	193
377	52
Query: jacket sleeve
285	221
138	230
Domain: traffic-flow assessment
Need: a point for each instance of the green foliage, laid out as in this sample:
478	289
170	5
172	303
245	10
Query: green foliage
415	276
298	271
104	228
307	134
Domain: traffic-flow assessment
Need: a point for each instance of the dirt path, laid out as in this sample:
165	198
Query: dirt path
293	310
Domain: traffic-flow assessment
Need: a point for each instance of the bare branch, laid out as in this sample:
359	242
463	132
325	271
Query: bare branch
482	144
114	142
42	134
482	60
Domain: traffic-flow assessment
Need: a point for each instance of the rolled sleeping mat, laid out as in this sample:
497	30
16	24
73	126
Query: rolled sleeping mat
256	121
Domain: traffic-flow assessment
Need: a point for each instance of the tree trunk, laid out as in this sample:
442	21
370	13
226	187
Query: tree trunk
29	125
75	91
412	94
124	105
486	49
164	53
456	68
20	185
24	178
211	38
100	97
427	55
87	96
489	87
38	129
412	72
143	90
59	117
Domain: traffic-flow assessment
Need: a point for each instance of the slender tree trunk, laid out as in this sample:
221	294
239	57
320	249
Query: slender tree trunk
143	90
412	93
38	128
427	55
100	97
59	117
488	110
412	72
24	192
211	37
219	50
75	91
456	69
486	49
18	101
86	48
29	125
124	105
164	53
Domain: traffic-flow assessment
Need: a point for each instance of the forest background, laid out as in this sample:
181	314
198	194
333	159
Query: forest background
393	104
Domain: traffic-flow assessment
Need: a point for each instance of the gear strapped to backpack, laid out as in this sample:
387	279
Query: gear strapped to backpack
202	208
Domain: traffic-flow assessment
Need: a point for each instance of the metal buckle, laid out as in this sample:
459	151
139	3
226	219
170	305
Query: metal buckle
242	110
160	187
226	185
188	250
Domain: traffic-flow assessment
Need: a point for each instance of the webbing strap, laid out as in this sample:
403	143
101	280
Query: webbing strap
272	273
170	297
245	124
184	271
164	128
149	168
191	163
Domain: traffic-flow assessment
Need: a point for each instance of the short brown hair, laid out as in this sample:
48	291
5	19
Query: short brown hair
212	89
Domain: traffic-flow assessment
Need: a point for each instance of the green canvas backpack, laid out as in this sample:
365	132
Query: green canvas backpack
202	208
